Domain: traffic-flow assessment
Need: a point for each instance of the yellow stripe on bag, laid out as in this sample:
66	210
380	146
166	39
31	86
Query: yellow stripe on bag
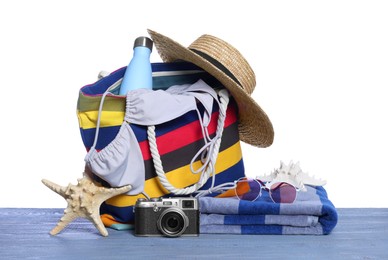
88	119
153	188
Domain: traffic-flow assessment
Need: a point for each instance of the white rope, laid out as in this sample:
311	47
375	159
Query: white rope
211	148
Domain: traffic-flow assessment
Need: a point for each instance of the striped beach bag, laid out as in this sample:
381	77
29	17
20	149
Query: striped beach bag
170	151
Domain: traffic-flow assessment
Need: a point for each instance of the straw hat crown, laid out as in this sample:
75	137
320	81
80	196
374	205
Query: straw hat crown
229	57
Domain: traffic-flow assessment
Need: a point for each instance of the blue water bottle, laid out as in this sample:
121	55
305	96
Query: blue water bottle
138	73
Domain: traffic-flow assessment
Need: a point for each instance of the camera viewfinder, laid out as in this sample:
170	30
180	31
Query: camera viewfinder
188	204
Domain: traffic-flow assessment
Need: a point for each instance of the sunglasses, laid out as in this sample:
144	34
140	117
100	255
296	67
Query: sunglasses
251	189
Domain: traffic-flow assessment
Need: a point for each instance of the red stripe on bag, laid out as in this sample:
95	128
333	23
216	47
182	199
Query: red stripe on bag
186	134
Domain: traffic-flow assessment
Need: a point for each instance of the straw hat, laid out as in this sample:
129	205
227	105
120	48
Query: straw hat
226	64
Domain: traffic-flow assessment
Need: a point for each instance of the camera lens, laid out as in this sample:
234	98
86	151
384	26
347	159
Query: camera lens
173	222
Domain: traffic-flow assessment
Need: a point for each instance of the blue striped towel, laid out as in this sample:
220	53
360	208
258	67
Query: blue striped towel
311	214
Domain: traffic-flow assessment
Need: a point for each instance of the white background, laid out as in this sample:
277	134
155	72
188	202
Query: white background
321	68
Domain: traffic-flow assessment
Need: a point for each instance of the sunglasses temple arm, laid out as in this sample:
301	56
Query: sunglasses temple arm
217	189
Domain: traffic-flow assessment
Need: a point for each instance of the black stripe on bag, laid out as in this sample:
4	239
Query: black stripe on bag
182	157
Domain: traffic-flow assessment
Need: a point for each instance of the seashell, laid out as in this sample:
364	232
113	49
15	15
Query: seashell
293	174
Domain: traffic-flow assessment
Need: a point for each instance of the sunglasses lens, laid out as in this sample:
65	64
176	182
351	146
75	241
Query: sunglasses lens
282	193
248	189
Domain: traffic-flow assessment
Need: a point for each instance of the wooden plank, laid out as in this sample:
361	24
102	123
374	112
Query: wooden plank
24	234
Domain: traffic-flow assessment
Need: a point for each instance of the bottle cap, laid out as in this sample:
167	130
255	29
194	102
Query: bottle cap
143	41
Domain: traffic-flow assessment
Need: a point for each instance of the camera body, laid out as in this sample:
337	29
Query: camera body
170	217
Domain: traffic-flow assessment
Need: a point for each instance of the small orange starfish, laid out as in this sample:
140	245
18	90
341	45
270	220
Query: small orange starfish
83	201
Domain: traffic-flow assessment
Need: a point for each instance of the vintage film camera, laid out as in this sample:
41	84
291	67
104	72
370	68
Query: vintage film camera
170	217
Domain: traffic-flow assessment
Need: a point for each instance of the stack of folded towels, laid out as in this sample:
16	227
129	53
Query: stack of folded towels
312	213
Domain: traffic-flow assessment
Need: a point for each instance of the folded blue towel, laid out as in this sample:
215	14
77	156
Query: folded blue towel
311	214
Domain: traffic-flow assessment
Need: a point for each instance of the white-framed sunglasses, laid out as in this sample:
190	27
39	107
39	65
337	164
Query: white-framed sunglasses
251	189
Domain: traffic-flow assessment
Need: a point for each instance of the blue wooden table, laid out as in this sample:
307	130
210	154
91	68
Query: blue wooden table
24	234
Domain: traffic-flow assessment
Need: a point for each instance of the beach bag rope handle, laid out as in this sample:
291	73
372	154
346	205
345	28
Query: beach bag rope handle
211	149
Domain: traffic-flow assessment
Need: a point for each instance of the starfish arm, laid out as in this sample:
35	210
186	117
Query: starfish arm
106	193
95	218
68	217
55	187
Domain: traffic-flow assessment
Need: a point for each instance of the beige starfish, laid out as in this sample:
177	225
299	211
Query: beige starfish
83	201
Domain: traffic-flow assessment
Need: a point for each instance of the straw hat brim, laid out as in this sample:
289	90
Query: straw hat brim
255	127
